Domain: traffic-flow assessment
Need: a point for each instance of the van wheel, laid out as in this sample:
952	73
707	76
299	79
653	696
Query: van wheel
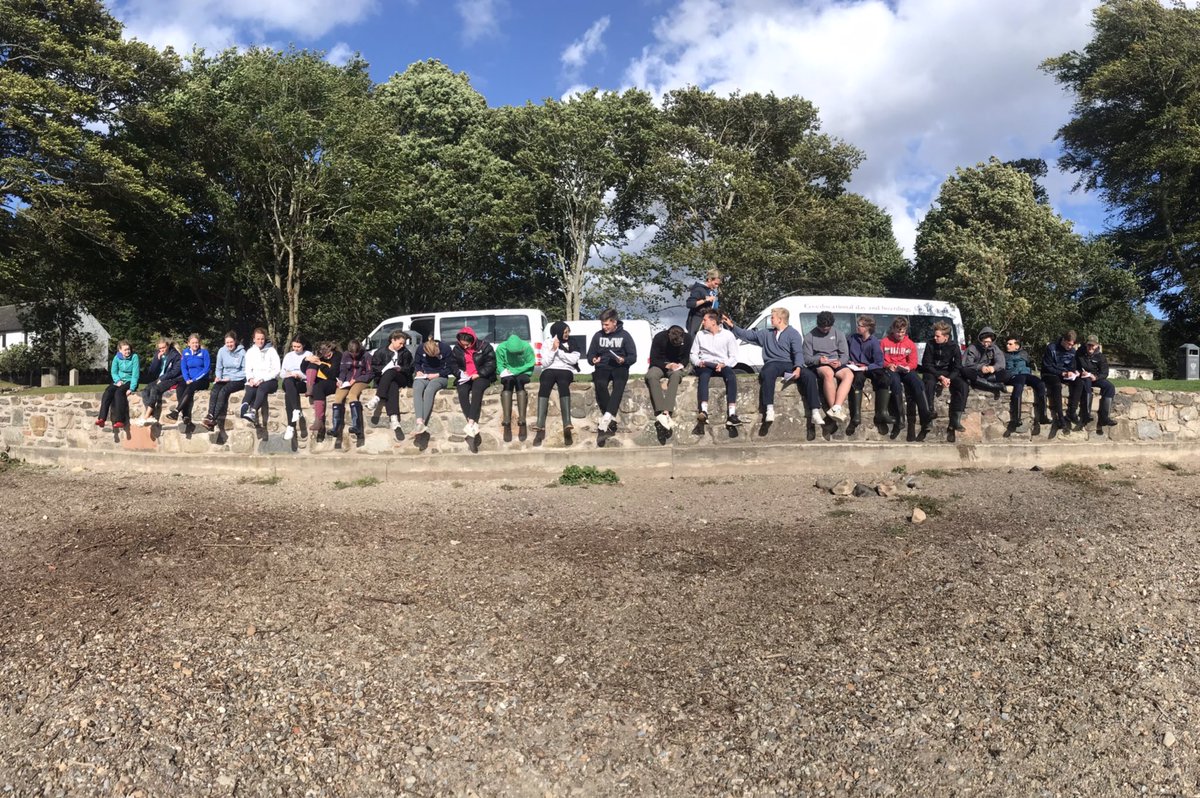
742	368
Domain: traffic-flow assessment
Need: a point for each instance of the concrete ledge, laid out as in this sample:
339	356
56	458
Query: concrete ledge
665	462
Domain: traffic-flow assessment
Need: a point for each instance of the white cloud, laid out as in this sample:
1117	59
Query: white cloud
921	86
340	54
577	53
216	24
481	18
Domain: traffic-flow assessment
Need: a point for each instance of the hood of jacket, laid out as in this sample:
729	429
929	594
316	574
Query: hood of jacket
557	329
470	332
986	332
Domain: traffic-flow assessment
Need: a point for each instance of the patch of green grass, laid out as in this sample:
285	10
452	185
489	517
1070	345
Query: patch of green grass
361	482
1159	385
65	389
274	479
932	507
1082	476
7	462
900	469
588	475
1106	467
839	513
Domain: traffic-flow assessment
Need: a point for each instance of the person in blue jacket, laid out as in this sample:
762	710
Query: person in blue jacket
612	351
866	359
1019	366
1059	367
194	365
163	375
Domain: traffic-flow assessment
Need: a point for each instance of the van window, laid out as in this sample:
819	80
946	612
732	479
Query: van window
423	325
510	325
846	322
482	325
765	324
920	328
380	338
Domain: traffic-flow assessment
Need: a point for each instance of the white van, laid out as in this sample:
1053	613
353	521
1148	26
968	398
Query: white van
493	326
921	314
582	331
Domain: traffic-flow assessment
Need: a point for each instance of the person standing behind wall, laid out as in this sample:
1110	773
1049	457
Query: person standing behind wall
702	298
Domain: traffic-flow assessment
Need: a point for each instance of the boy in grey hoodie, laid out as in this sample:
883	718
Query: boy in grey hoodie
827	352
983	364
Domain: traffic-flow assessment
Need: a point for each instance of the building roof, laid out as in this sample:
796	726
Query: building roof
9	320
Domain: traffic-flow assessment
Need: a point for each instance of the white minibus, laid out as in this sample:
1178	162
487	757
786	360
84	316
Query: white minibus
493	326
803	310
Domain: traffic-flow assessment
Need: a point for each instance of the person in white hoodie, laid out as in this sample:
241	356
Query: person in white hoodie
715	352
295	370
558	371
262	378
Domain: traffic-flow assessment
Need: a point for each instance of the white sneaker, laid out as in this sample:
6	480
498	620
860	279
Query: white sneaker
818	418
769	416
838	412
296	416
141	422
249	416
664	420
395	422
419	429
374	403
289	432
605	420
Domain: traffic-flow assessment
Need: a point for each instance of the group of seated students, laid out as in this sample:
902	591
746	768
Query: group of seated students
831	370
828	368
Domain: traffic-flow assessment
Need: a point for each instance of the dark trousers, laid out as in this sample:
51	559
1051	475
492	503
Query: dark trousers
514	382
610	387
1021	381
293	389
1054	386
555	378
470	397
218	397
958	391
875	375
1081	395
185	394
115	397
910	383
154	392
388	389
807	385
706	373
256	397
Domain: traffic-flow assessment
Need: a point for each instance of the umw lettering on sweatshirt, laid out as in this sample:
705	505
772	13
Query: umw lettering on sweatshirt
612	341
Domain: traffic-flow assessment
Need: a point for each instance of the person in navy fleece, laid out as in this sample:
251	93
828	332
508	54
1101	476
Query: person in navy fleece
1059	366
866	359
164	373
783	356
194	365
611	352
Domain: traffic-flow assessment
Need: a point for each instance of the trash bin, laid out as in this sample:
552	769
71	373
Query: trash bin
49	377
1189	362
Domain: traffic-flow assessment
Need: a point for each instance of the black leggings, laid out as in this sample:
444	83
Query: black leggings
256	397
608	400
218	397
186	393
154	392
116	397
470	396
514	382
293	389
388	389
560	378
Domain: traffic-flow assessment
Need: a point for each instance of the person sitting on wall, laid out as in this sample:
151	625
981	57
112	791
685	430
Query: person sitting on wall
230	378
783	356
941	368
476	364
1093	372
1059	366
294	371
983	365
827	353
124	372
515	362
611	351
668	360
866	361
900	368
262	380
164	374
715	352
558	371
392	366
194	365
1019	366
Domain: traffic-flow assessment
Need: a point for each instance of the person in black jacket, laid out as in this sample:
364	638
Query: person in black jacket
702	298
163	374
612	352
1059	365
327	360
1093	372
668	360
941	368
392	366
476	364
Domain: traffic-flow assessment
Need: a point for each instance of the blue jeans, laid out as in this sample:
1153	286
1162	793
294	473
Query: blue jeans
705	373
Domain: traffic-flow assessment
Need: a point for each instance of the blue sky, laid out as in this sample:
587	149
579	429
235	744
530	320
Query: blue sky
922	86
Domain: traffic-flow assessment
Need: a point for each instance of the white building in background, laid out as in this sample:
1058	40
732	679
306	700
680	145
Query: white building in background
12	331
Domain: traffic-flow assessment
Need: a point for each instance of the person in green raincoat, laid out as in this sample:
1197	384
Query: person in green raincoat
514	362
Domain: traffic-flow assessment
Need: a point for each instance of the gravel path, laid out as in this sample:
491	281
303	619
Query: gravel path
1037	635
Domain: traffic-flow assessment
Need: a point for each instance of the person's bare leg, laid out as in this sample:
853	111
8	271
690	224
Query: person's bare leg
828	384
845	381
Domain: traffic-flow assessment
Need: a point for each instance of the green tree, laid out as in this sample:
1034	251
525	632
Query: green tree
1005	259
588	161
750	186
1134	136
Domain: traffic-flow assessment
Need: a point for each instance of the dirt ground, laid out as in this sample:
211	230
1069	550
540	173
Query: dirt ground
1037	635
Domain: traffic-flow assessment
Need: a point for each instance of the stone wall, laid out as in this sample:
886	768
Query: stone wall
31	418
